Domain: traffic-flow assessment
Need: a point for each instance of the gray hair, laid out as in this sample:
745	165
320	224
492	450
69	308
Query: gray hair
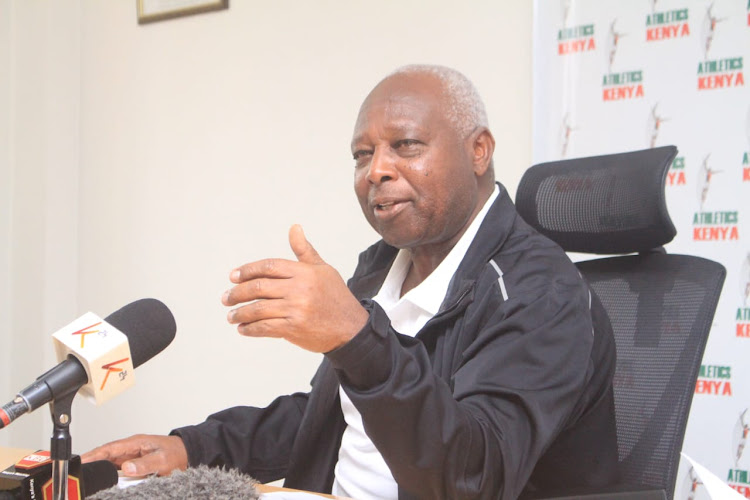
465	107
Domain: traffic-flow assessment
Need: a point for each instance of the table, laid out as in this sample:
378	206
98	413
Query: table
267	488
8	456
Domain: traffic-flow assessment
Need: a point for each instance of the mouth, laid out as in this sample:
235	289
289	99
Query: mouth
387	209
385	206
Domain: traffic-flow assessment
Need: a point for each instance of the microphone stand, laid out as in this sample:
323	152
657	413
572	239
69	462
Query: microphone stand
61	448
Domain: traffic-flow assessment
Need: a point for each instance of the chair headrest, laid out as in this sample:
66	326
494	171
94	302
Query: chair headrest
610	204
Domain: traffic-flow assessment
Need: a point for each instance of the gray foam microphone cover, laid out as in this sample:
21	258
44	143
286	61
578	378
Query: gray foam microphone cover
202	482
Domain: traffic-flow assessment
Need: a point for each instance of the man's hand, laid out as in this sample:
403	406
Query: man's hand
142	455
305	302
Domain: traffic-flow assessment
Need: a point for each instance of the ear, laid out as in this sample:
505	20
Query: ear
482	148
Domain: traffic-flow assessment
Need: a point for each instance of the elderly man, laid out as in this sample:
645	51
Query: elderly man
461	361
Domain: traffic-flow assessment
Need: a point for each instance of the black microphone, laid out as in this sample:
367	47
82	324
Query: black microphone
149	327
98	476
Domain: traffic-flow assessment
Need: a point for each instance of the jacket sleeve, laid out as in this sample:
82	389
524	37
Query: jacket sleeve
257	441
515	384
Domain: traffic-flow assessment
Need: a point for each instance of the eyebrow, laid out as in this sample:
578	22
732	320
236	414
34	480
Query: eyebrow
400	126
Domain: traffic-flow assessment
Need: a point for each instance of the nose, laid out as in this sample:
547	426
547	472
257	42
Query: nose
382	168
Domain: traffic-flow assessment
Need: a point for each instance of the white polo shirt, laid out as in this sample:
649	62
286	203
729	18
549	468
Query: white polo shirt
361	472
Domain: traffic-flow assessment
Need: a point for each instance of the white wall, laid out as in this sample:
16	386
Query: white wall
40	95
195	144
5	161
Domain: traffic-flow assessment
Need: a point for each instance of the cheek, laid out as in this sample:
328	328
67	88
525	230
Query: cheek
361	188
360	181
418	168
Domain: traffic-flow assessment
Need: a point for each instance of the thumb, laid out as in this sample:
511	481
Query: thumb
143	466
302	248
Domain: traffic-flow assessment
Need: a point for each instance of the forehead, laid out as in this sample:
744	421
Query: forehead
402	102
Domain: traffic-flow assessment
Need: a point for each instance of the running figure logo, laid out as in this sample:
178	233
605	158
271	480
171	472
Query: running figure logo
566	11
693	485
744	431
705	177
709	29
745	281
654	124
613	40
566	129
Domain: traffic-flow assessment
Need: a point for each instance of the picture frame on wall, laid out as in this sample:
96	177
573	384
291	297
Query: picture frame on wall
150	11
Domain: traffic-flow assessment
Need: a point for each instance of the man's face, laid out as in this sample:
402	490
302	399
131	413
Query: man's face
414	174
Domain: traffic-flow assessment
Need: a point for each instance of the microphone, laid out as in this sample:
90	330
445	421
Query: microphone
145	326
31	478
98	476
195	482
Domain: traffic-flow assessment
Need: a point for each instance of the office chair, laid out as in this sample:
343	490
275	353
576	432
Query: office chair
660	305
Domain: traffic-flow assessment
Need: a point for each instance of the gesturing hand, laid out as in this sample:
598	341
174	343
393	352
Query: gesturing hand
143	454
305	302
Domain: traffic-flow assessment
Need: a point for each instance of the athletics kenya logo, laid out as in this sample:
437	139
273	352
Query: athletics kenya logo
622	86
738	480
715	226
676	173
721	73
714	380
667	25
576	39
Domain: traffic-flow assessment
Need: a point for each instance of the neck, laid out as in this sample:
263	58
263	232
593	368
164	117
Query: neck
425	259
422	265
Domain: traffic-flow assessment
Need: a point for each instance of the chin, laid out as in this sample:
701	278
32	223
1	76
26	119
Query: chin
399	242
399	237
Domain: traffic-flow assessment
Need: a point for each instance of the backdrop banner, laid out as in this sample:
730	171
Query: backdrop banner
613	76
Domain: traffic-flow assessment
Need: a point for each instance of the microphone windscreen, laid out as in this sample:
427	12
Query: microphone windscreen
97	476
201	482
149	326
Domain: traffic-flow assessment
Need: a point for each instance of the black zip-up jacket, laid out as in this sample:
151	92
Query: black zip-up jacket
507	390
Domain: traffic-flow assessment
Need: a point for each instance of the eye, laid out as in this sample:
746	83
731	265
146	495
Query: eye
360	156
406	143
408	148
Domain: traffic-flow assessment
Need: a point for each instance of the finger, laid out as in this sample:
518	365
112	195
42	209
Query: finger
302	248
94	455
153	463
115	452
274	328
258	311
266	268
260	288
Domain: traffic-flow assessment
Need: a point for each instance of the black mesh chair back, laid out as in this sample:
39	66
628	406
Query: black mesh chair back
660	306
